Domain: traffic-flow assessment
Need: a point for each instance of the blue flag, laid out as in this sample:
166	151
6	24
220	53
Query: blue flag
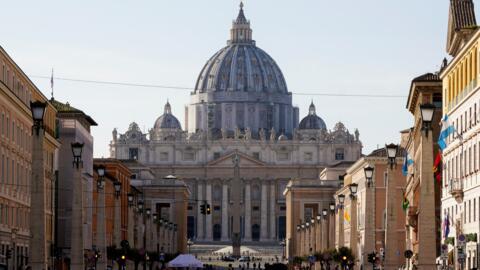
408	161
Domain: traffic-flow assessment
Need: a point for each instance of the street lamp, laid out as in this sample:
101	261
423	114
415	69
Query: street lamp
324	213
155	216
426	111
298	228
140	206
319	218
148	211
130	198
77	149
341	200
101	175
312	221
369	175
353	190
38	112
332	207
118	188
392	150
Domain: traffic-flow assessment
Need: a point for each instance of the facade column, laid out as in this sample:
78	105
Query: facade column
77	249
37	250
273	214
101	231
263	214
208	218
248	213
391	226
426	218
200	216
225	215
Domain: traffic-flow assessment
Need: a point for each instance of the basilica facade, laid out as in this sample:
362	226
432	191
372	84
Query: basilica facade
240	107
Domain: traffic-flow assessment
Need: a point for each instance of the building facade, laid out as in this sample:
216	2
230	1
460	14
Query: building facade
461	103
16	93
240	104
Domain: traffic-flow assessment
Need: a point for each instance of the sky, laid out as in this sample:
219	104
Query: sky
373	47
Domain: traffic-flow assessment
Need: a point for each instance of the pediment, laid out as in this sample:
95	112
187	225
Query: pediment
227	161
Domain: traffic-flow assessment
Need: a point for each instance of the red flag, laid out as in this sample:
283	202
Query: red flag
437	168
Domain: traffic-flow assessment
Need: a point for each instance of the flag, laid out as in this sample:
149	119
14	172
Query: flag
437	168
346	216
447	130
51	82
405	203
408	161
446	227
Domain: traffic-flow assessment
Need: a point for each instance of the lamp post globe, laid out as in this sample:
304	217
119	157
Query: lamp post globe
319	218
148	211
391	150
324	212
101	175
341	199
353	189
368	174
38	112
426	111
332	207
140	205
118	188
77	149
130	198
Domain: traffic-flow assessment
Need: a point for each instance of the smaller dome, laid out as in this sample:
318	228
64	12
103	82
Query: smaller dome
312	121
167	120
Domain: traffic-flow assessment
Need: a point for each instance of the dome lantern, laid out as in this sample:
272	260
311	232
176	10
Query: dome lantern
241	31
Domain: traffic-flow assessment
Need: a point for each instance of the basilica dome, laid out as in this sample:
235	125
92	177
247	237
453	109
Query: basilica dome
312	120
167	120
241	66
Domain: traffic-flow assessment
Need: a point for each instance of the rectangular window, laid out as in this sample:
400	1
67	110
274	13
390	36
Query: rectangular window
469	211
339	154
133	153
164	156
474	209
308	156
282	156
188	156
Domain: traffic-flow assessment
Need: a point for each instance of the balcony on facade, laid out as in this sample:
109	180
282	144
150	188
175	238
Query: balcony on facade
455	188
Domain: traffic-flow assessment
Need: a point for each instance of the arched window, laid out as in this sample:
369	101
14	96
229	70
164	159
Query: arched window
255	192
217	192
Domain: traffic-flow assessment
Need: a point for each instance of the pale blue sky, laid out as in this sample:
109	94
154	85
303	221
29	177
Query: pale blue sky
348	46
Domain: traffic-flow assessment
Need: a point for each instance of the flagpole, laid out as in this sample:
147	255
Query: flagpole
51	83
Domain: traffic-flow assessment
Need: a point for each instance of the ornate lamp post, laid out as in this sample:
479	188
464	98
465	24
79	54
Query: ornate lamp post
390	230
101	249
130	198
77	248
38	249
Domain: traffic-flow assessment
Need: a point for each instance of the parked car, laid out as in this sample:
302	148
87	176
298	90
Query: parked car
244	259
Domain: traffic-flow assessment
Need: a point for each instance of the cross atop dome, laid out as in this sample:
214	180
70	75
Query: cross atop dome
311	109
168	108
241	31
